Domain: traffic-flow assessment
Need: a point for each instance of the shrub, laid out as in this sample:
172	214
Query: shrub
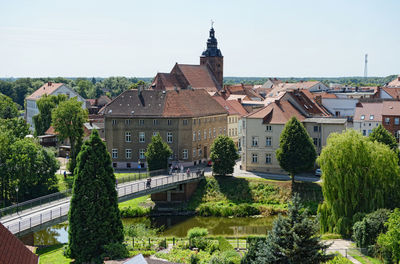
366	231
224	244
197	232
145	253
199	242
194	259
230	257
130	212
212	246
162	243
339	259
115	251
254	243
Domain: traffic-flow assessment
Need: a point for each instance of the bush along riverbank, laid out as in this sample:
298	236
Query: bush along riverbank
230	196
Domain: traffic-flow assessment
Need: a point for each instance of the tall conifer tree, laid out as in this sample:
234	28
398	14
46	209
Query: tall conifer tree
94	217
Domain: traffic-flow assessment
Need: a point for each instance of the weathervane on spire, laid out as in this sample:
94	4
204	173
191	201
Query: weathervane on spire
212	23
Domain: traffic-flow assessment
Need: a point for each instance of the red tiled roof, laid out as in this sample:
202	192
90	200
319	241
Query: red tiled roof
368	109
238	107
167	80
199	76
278	112
391	108
395	82
51	131
47	88
13	251
393	92
309	99
188	103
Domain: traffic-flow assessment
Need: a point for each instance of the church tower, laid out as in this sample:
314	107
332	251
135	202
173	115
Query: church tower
212	57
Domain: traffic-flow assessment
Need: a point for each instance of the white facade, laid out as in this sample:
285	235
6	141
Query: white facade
365	127
32	109
343	107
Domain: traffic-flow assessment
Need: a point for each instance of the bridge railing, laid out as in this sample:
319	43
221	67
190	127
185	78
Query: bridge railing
60	196
140	188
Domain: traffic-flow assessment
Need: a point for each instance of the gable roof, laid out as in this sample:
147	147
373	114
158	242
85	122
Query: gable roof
393	92
13	251
368	109
395	82
278	112
199	77
282	87
238	107
232	106
47	88
391	108
156	103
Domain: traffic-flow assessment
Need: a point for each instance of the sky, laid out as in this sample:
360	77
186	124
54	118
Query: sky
270	38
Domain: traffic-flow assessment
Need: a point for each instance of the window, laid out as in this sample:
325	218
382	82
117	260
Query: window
205	134
236	132
128	165
317	128
254	141
127	136
169	137
194	152
364	132
268	128
185	154
387	120
194	121
199	121
141	122
220	131
155	122
209	133
194	135
225	131
396	120
337	113
185	122
114	164
254	158
199	135
371	117
114	153
397	134
169	122
268	158
114	122
141	137
214	132
127	122
141	153
199	151
369	124
362	117
155	133
315	140
369	131
229	132
128	153
268	141
244	123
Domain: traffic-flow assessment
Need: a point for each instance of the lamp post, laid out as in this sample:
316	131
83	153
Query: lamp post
16	188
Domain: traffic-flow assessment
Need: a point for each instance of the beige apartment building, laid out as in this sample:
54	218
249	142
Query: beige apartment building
187	120
260	134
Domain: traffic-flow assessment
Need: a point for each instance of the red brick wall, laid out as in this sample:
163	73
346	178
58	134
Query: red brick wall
391	127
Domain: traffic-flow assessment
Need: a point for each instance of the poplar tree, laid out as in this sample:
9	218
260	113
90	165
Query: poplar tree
296	152
359	177
383	136
94	217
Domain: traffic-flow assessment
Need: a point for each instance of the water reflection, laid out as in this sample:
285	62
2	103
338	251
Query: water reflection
172	226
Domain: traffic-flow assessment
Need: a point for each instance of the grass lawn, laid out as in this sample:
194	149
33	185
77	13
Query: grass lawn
135	202
362	258
52	254
64	184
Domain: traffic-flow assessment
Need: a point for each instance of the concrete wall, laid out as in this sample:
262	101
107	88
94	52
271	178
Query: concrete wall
181	194
345	106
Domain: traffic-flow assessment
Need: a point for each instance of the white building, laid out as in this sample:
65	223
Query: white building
341	107
367	116
49	88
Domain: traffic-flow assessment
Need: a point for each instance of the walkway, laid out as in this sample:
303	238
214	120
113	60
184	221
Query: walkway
57	212
342	246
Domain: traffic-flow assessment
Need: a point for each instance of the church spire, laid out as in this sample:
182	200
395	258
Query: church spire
212	45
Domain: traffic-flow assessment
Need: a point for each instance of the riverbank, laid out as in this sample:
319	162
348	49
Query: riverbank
231	197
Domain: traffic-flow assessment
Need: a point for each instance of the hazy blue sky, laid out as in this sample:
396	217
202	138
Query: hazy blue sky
140	38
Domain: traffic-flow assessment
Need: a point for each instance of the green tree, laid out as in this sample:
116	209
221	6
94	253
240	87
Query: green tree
94	217
223	155
157	153
46	104
296	152
17	127
139	231
68	119
359	176
83	87
293	239
8	109
380	134
390	241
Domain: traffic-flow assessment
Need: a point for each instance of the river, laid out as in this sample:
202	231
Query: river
170	226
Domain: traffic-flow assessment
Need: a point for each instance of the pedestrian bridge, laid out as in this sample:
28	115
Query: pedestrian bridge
52	213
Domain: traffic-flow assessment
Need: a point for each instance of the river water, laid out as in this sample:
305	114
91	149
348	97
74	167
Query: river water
170	226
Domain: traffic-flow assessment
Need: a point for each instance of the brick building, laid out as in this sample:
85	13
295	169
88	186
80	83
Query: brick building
188	120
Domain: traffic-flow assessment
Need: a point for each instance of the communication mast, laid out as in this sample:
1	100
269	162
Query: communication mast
366	67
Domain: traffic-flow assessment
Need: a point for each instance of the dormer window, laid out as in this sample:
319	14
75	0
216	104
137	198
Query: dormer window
362	117
371	117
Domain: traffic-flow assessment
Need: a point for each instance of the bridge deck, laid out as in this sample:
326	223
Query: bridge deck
53	213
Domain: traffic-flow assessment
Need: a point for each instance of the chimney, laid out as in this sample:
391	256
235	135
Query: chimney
49	83
240	100
398	78
318	99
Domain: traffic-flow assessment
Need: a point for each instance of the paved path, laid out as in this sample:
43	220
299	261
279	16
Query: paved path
342	246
